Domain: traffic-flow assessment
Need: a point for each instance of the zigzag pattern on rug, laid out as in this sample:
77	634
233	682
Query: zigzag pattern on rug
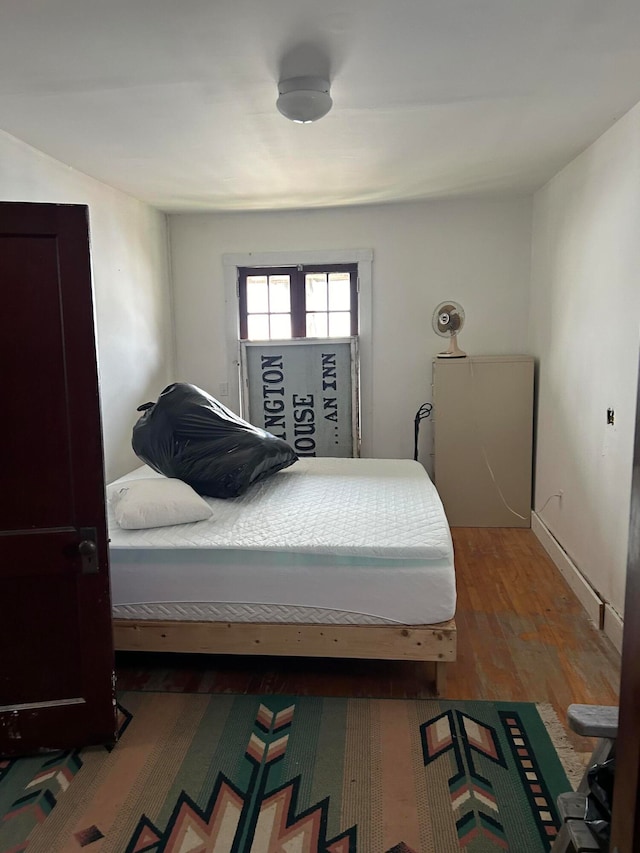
198	773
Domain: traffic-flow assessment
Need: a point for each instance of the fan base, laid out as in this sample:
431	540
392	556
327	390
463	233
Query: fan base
454	350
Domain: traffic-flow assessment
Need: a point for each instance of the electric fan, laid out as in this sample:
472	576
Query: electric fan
448	319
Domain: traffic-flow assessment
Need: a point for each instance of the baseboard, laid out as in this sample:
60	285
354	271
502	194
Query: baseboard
613	626
583	590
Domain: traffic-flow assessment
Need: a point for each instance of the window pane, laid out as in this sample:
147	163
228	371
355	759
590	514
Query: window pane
257	294
316	325
280	326
258	327
279	294
316	291
339	324
339	291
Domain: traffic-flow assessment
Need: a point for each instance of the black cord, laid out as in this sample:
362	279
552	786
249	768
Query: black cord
423	412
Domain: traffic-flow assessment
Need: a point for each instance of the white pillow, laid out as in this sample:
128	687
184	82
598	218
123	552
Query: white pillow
156	502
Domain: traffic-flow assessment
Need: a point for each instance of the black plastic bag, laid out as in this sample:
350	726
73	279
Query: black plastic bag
189	435
600	780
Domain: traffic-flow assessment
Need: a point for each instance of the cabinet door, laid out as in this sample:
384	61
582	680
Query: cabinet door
56	670
483	440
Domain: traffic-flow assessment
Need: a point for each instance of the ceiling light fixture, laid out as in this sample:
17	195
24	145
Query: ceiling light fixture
304	99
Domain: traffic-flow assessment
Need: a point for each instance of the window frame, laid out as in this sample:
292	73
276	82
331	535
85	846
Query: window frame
297	275
229	370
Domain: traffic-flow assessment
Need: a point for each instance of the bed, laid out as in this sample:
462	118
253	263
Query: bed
343	558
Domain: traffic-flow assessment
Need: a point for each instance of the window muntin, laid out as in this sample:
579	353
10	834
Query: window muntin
268	306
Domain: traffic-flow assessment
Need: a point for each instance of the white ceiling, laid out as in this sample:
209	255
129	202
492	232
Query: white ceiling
173	101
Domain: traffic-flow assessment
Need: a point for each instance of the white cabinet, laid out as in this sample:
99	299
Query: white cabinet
483	421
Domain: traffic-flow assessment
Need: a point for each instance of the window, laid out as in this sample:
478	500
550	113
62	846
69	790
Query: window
278	303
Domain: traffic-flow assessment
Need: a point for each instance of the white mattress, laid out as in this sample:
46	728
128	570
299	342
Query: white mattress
352	541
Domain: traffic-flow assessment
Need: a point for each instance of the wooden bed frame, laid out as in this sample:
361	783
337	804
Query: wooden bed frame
435	644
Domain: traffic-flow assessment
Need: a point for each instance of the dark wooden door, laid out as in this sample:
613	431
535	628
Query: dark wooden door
56	652
625	827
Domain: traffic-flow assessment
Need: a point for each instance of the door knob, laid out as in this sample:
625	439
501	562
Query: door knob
88	550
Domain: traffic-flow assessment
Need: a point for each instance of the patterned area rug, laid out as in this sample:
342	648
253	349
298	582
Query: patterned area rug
194	773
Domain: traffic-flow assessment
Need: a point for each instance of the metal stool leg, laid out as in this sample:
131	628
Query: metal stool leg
562	843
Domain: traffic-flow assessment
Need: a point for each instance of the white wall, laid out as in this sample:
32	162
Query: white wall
475	252
585	310
131	286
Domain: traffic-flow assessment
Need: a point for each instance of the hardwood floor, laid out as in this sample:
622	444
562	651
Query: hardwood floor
522	635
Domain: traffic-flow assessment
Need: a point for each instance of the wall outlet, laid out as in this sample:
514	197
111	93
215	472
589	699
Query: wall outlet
224	389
